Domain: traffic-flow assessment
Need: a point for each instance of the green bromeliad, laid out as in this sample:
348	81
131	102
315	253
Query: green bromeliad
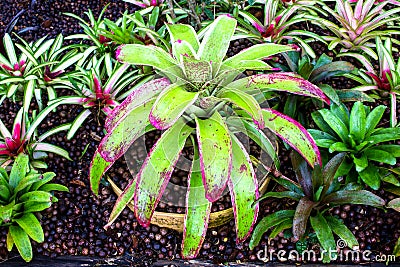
202	101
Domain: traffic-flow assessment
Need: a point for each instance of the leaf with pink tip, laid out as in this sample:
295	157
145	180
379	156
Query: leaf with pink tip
125	132
135	99
283	82
170	105
197	214
215	149
243	187
244	101
156	171
294	134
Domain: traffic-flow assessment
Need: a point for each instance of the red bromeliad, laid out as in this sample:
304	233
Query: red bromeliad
13	145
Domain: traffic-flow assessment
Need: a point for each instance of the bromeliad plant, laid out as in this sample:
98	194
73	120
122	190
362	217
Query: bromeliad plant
356	134
40	66
387	80
277	20
23	193
24	139
357	25
199	102
317	191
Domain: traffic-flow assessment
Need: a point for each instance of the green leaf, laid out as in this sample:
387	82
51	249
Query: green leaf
303	211
19	170
303	174
335	124
358	122
350	95
9	241
245	102
198	210
170	105
361	197
215	154
324	233
286	224
392	149
373	119
379	155
22	242
156	172
54	187
394	204
339	147
98	167
321	123
243	186
268	222
371	177
294	134
216	41
38	196
36	206
396	250
339	228
28	180
30	224
46	177
361	162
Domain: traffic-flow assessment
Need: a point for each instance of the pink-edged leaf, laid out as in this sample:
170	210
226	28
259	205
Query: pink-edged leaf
125	132
284	82
293	133
156	170
137	98
243	187
245	102
170	105
215	149
45	147
197	214
123	200
98	167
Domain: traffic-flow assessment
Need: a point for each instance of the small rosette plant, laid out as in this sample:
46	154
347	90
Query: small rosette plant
356	133
316	191
357	25
24	192
200	102
24	139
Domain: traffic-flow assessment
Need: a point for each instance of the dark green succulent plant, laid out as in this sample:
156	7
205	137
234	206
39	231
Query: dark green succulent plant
316	191
356	133
22	193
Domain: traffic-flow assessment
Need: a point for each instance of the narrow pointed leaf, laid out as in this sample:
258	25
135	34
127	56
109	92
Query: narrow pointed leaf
335	123
371	177
373	119
394	204
358	121
215	154
281	82
324	232
243	186
22	242
361	197
170	105
216	41
197	214
268	222
157	170
294	134
19	170
30	224
53	149
300	219
339	228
